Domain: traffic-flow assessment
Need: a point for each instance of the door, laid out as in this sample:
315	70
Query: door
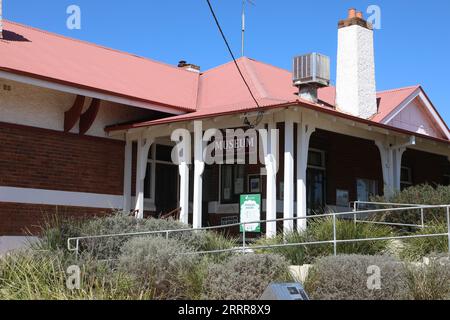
166	184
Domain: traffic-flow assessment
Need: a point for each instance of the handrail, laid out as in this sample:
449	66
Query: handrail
390	204
420	207
334	215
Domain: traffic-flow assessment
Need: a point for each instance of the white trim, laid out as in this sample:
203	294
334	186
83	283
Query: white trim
11	243
87	93
400	107
418	93
60	198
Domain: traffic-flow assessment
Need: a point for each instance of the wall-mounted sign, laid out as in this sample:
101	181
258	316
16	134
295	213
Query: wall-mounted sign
239	144
250	209
342	198
254	183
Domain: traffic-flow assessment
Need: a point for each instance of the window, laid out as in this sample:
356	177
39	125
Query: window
315	180
446	179
316	159
148	181
366	188
405	178
232	179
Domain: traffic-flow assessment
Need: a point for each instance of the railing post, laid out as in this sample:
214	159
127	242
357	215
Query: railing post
355	209
167	235
77	246
422	220
243	238
448	227
334	234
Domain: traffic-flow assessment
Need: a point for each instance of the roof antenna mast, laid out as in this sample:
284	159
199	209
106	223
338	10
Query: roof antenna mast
243	23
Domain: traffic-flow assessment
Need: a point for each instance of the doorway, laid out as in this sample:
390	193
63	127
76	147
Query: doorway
167	186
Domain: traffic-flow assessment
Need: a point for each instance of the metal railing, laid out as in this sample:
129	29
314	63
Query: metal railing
73	244
419	207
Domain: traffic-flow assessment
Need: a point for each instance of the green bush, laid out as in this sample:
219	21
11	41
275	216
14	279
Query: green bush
41	275
164	266
421	195
321	229
55	231
429	281
346	277
416	248
244	277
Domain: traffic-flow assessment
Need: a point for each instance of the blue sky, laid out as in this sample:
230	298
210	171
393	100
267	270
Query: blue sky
412	47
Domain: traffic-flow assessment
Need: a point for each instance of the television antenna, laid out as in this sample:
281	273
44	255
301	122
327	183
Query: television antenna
244	2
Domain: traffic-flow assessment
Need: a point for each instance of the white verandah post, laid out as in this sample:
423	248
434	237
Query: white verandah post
304	132
271	171
143	148
199	168
288	201
127	176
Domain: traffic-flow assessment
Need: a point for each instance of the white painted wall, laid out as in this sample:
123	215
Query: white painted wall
44	108
355	80
10	243
414	118
60	198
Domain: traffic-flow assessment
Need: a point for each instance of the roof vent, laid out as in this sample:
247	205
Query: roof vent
311	71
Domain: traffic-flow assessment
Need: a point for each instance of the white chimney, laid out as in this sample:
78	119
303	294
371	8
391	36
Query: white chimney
355	79
1	20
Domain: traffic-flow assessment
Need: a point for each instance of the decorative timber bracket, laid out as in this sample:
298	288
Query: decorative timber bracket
86	119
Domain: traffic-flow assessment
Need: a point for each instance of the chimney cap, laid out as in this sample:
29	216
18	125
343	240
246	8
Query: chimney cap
188	66
355	17
351	13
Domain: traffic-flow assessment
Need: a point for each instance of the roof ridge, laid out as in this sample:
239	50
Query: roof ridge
92	44
400	89
222	65
270	65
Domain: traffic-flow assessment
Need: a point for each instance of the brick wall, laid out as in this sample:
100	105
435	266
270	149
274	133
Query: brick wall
426	167
347	159
45	159
22	219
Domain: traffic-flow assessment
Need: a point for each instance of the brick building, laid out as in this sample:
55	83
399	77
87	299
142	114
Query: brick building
86	130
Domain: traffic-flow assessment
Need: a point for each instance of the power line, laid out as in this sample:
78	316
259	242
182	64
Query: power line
231	52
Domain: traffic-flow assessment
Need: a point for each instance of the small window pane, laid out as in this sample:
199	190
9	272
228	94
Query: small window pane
405	176
315	159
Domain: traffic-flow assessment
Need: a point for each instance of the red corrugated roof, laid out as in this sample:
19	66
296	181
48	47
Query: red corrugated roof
34	52
40	54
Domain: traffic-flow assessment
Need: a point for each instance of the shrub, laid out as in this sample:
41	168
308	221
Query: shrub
106	248
321	229
422	195
244	277
416	248
429	281
55	231
211	241
39	275
161	265
345	277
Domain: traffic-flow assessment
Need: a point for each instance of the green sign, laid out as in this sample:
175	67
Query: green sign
250	208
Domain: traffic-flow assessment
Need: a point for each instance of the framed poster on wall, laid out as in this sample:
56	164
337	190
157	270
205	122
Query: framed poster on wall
250	210
342	198
254	183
